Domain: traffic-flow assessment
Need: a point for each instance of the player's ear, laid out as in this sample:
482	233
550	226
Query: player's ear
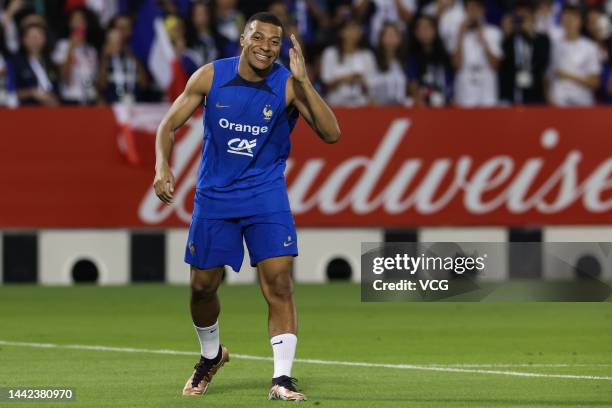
242	40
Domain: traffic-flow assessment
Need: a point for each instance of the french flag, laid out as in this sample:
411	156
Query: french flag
151	44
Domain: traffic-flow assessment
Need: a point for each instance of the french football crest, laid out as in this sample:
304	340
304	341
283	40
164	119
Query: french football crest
267	112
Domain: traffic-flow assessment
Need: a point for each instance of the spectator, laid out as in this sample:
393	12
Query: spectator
546	17
449	14
606	83
311	18
4	77
281	11
122	76
229	24
313	66
599	29
341	12
176	31
8	96
396	11
525	61
389	84
347	66
575	65
77	61
476	57
103	10
333	6
199	36
9	27
429	69
35	75
4	71
125	25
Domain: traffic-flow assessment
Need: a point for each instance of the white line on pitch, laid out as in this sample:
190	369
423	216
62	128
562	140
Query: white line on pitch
516	365
446	369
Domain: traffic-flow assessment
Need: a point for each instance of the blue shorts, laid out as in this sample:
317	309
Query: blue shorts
218	242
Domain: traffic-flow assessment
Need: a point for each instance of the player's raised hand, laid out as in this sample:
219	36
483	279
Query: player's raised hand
164	183
296	61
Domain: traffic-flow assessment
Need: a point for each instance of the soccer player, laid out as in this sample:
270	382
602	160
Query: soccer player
251	106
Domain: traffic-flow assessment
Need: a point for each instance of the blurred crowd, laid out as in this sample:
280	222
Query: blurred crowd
466	53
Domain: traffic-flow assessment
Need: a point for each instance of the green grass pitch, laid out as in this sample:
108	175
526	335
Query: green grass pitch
543	338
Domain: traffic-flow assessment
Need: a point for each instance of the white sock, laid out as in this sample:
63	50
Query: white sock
283	348
209	340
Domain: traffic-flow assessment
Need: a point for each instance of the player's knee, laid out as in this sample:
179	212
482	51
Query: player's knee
280	288
204	284
203	289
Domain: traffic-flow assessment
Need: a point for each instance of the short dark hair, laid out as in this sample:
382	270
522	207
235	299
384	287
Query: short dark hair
480	3
527	5
265	17
572	8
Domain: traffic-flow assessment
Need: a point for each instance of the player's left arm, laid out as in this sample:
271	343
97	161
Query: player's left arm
302	95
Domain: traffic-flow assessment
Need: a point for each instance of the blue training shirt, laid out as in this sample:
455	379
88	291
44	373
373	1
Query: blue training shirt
246	144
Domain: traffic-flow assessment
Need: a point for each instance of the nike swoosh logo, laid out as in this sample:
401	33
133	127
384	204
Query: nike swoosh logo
286	244
218	105
280	342
212	331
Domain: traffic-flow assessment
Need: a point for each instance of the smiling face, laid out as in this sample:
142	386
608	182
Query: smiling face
261	43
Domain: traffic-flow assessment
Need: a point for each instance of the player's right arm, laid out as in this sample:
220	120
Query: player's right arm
183	107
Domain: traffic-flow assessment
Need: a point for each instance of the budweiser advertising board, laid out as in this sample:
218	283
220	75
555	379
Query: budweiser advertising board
93	167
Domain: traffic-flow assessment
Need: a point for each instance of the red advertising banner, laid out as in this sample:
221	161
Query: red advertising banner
93	167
